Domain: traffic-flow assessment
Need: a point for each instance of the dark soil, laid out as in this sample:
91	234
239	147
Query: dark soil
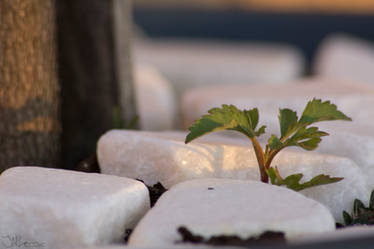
266	238
127	235
339	225
155	191
88	165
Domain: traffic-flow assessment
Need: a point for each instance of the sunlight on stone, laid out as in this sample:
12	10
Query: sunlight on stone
239	162
195	160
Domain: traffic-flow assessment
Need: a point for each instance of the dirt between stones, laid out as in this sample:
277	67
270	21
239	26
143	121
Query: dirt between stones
267	237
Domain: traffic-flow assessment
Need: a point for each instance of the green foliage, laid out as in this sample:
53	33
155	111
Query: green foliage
293	132
293	181
119	123
227	118
361	214
317	111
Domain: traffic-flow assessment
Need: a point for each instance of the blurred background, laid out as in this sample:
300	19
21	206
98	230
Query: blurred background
159	65
301	23
196	46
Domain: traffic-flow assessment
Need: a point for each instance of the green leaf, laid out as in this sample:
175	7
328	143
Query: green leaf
252	116
293	181
306	138
287	121
347	218
358	208
275	143
317	111
119	123
360	215
371	202
297	133
304	133
310	144
260	131
274	176
321	180
226	118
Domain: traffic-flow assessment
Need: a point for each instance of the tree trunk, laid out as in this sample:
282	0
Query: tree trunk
29	126
122	33
90	73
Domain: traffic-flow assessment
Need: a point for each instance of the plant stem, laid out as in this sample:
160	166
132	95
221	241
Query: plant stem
260	159
269	158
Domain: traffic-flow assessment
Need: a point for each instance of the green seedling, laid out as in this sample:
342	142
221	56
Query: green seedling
294	131
361	214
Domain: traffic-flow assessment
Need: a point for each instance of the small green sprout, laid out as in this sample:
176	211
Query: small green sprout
361	215
294	131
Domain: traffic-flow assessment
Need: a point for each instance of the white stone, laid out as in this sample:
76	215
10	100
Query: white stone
189	64
232	207
163	157
59	208
355	145
346	57
155	99
346	233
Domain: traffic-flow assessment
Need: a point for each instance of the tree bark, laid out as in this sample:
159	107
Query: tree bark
29	126
91	73
122	33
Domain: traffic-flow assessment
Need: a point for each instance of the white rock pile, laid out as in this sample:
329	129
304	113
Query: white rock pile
348	96
211	207
50	208
162	157
187	63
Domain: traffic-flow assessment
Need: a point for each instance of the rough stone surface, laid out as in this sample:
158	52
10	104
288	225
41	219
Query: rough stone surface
355	145
346	57
163	157
230	207
155	99
190	64
59	209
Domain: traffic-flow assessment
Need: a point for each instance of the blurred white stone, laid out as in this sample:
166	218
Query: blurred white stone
155	98
348	139
189	64
346	233
211	207
54	208
163	157
346	57
353	99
